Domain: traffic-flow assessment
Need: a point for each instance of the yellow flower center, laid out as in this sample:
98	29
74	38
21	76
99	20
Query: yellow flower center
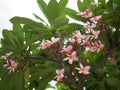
70	57
59	74
83	69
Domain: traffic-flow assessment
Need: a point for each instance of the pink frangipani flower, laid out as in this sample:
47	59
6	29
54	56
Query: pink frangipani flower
54	40
95	34
94	46
71	57
86	14
96	19
68	49
83	69
44	44
71	40
7	55
11	65
78	36
90	28
90	46
112	60
60	74
99	46
81	14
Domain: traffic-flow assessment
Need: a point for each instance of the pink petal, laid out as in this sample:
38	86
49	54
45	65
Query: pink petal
76	59
70	61
87	67
57	71
62	70
73	53
65	59
86	72
81	66
77	68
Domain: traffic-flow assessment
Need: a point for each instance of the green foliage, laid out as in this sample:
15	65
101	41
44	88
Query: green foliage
72	13
84	5
37	67
14	81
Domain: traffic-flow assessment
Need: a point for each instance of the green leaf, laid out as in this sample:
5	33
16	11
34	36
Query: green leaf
116	1
62	86
10	39
62	5
45	70
36	16
113	81
102	1
60	21
20	85
44	81
81	6
72	13
13	40
105	40
53	11
43	7
23	20
17	29
71	27
75	26
12	81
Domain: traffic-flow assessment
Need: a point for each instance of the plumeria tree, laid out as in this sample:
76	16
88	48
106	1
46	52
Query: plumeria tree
83	55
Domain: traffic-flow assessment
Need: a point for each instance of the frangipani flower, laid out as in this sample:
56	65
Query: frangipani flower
112	60
86	14
83	69
96	19
90	28
94	46
60	74
44	44
98	45
90	46
68	49
71	40
71	57
81	14
11	65
78	36
95	34
54	40
7	55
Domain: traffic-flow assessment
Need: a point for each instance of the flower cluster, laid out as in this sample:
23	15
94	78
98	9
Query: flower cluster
10	64
92	41
69	48
47	43
68	52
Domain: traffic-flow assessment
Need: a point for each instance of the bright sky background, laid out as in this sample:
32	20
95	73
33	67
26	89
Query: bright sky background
23	8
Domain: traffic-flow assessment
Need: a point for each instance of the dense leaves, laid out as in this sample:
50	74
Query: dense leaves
36	68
